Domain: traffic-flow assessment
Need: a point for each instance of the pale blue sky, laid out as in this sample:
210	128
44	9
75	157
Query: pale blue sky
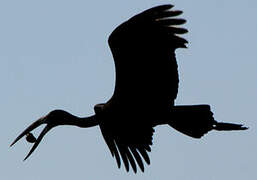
54	55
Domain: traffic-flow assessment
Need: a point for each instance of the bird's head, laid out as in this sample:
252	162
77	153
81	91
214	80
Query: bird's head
52	119
57	117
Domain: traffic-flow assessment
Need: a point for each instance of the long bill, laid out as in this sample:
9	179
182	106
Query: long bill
33	126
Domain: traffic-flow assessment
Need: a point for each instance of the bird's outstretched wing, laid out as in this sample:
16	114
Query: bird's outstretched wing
143	49
146	81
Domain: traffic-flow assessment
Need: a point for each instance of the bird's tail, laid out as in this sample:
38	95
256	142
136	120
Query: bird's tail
197	120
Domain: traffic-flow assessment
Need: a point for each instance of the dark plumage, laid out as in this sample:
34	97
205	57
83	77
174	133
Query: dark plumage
146	87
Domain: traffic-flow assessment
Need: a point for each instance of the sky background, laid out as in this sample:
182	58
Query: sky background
54	55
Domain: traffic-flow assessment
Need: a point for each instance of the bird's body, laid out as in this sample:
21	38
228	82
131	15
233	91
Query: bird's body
146	87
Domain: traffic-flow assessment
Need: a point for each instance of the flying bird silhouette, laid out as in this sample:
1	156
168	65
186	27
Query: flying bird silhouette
146	87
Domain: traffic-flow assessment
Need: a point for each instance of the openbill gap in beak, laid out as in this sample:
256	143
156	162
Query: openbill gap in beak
29	136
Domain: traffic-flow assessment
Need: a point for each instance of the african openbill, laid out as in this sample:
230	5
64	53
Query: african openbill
146	87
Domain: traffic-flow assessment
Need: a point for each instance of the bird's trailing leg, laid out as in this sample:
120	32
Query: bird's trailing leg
197	120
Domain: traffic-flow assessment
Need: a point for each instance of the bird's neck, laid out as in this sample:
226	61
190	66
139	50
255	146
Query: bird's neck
82	122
